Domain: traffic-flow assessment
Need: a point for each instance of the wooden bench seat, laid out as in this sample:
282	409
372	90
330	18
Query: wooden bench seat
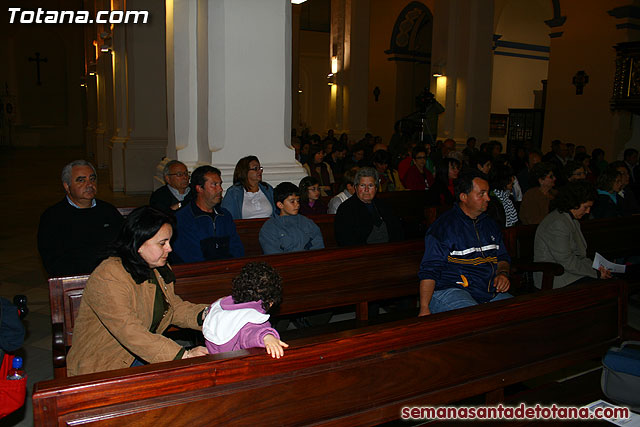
317	280
361	377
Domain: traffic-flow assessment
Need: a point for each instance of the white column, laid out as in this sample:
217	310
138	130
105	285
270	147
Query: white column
350	45
104	95
295	65
463	51
120	137
143	131
249	87
182	84
358	67
229	88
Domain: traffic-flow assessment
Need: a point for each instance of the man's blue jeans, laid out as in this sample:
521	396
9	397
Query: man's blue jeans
454	298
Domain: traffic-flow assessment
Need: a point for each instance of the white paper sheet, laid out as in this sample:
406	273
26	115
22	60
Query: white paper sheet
599	260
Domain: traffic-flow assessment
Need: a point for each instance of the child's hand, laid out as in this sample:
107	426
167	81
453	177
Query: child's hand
274	346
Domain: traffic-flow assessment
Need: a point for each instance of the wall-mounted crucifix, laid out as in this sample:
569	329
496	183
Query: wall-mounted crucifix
580	80
38	60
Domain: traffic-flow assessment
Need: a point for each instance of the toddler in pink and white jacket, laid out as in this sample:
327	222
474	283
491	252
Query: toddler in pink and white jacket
240	321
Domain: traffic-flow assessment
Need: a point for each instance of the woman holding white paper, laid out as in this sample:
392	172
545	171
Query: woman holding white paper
560	240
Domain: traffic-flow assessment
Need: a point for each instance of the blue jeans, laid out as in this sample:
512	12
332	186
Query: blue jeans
454	298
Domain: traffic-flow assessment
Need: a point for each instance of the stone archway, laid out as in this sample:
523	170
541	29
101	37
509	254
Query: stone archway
410	49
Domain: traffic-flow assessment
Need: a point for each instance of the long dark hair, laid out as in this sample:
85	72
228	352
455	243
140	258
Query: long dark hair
142	224
442	169
305	183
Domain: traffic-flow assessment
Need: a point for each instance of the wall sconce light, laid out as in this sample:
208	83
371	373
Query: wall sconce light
298	1
105	48
438	70
334	65
331	79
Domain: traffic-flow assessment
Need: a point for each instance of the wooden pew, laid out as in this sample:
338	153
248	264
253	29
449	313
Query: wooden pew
407	205
361	377
317	280
612	237
311	281
249	232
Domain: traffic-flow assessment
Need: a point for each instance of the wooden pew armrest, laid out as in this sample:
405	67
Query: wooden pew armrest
519	267
58	347
548	269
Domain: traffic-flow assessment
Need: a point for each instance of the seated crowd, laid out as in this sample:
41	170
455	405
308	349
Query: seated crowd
129	300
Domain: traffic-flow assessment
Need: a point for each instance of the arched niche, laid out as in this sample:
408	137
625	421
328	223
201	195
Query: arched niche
410	50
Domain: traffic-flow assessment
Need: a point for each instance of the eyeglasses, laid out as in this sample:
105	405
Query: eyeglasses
369	186
256	168
179	174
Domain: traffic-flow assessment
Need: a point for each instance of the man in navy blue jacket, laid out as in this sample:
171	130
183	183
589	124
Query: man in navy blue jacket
465	261
205	230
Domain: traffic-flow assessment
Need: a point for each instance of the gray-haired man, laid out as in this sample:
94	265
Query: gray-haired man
73	234
176	193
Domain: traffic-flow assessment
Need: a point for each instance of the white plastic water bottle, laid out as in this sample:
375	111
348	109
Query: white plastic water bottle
16	372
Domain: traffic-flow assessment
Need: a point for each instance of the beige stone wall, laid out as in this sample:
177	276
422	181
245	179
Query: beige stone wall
589	35
515	78
383	73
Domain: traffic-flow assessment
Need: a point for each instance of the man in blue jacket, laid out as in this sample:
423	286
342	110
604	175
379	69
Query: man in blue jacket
205	230
465	261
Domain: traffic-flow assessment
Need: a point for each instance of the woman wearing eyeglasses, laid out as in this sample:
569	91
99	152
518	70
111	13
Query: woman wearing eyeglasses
249	197
418	177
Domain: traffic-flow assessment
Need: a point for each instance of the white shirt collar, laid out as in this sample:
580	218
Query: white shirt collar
93	203
177	194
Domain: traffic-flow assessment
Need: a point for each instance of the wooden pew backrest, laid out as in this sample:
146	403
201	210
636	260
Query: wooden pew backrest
249	232
311	281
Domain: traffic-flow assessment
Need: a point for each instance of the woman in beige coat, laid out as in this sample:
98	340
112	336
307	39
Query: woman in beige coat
129	302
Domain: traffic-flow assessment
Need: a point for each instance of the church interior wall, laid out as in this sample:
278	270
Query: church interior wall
586	44
519	70
314	67
49	113
382	114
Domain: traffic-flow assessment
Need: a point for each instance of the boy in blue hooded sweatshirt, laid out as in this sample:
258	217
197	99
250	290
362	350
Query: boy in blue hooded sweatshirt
289	232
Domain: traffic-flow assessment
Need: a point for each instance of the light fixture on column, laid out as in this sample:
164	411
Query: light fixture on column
334	70
91	68
298	1
106	42
438	69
